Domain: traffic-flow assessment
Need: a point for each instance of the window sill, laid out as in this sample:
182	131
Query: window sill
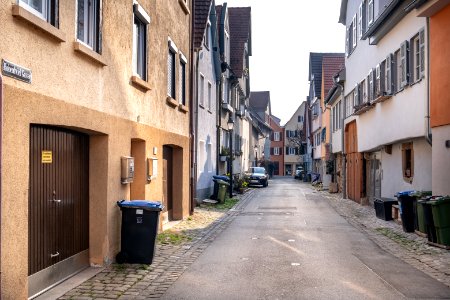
183	108
142	84
184	6
172	102
86	51
23	14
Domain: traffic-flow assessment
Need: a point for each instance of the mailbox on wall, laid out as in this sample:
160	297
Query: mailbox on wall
127	169
152	168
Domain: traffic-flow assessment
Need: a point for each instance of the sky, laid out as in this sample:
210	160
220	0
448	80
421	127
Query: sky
284	32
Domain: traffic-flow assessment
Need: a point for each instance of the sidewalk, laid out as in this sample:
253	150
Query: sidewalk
190	238
409	247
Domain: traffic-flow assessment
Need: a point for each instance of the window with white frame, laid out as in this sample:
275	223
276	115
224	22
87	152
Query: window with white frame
209	96
202	91
171	57
141	21
276	151
88	23
417	52
349	104
276	136
291	151
182	79
44	9
299	119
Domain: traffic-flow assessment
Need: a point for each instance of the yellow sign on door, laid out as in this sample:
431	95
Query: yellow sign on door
47	157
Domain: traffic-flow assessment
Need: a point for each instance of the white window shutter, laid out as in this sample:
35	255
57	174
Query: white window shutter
354	36
422	52
360	13
404	63
370	86
347	41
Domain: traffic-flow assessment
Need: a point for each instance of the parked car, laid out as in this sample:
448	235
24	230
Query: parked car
299	173
257	175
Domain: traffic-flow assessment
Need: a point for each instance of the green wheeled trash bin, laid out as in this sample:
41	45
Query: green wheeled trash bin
430	229
441	217
223	187
407	201
140	220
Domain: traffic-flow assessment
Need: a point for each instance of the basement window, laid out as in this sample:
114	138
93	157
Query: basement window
408	162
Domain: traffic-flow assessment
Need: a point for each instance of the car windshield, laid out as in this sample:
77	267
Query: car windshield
257	170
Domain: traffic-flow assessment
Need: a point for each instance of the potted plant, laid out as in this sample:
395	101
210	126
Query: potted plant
224	154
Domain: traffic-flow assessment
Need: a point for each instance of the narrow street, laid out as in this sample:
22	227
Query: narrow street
287	242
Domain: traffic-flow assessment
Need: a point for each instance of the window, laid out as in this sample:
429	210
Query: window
379	80
208	35
88	16
349	104
276	136
276	151
408	162
350	40
182	81
171	74
44	9
202	91
417	59
388	67
209	96
370	86
141	20
300	119
370	12
362	19
291	151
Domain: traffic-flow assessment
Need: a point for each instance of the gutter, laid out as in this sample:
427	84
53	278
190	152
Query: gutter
192	128
428	134
1	137
344	155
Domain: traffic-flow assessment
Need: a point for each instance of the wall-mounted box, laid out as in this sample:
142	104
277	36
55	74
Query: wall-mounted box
127	169
152	168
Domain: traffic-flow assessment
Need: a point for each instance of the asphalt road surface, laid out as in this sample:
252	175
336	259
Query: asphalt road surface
288	243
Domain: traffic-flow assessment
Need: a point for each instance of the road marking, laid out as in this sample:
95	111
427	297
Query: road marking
291	241
295	264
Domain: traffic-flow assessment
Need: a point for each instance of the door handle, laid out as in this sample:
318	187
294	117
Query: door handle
54	255
55	200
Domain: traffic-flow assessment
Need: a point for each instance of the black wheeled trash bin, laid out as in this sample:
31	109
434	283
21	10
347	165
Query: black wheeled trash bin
216	179
406	202
383	208
138	233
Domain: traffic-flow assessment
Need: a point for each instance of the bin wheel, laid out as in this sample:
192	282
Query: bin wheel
121	257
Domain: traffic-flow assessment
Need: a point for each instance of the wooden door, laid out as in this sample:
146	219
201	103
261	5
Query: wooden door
354	163
168	181
59	196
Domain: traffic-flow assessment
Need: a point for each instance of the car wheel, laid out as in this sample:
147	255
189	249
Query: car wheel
266	183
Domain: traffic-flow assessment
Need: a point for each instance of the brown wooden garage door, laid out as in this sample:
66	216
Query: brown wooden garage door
59	196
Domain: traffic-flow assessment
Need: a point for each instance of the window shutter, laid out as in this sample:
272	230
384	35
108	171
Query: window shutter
388	77
296	150
281	150
404	63
271	137
296	133
354	37
287	150
281	137
422	52
356	99
271	151
347	41
371	85
370	12
287	133
360	32
364	17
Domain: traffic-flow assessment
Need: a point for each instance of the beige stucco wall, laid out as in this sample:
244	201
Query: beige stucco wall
72	90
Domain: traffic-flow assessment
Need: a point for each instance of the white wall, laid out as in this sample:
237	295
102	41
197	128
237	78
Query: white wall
392	174
441	161
206	132
336	139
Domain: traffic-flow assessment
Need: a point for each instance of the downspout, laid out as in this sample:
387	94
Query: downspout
1	137
191	121
428	134
195	127
344	155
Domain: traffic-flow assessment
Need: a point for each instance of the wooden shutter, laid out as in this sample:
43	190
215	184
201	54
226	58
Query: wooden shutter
354	34
422	52
364	17
370	86
271	151
281	136
347	41
378	80
370	12
388	76
404	62
360	13
287	150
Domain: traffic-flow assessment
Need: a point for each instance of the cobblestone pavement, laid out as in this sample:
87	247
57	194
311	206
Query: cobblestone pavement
171	260
409	247
130	281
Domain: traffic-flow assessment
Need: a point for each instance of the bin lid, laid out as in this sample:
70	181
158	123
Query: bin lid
222	182
441	200
142	204
405	193
222	177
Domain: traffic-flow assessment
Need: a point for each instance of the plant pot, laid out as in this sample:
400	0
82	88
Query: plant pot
223	158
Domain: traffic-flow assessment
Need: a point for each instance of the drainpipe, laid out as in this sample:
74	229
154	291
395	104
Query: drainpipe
1	133
428	134
344	155
192	128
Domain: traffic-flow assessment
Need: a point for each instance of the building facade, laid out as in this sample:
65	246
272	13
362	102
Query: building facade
85	95
385	93
277	146
294	141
